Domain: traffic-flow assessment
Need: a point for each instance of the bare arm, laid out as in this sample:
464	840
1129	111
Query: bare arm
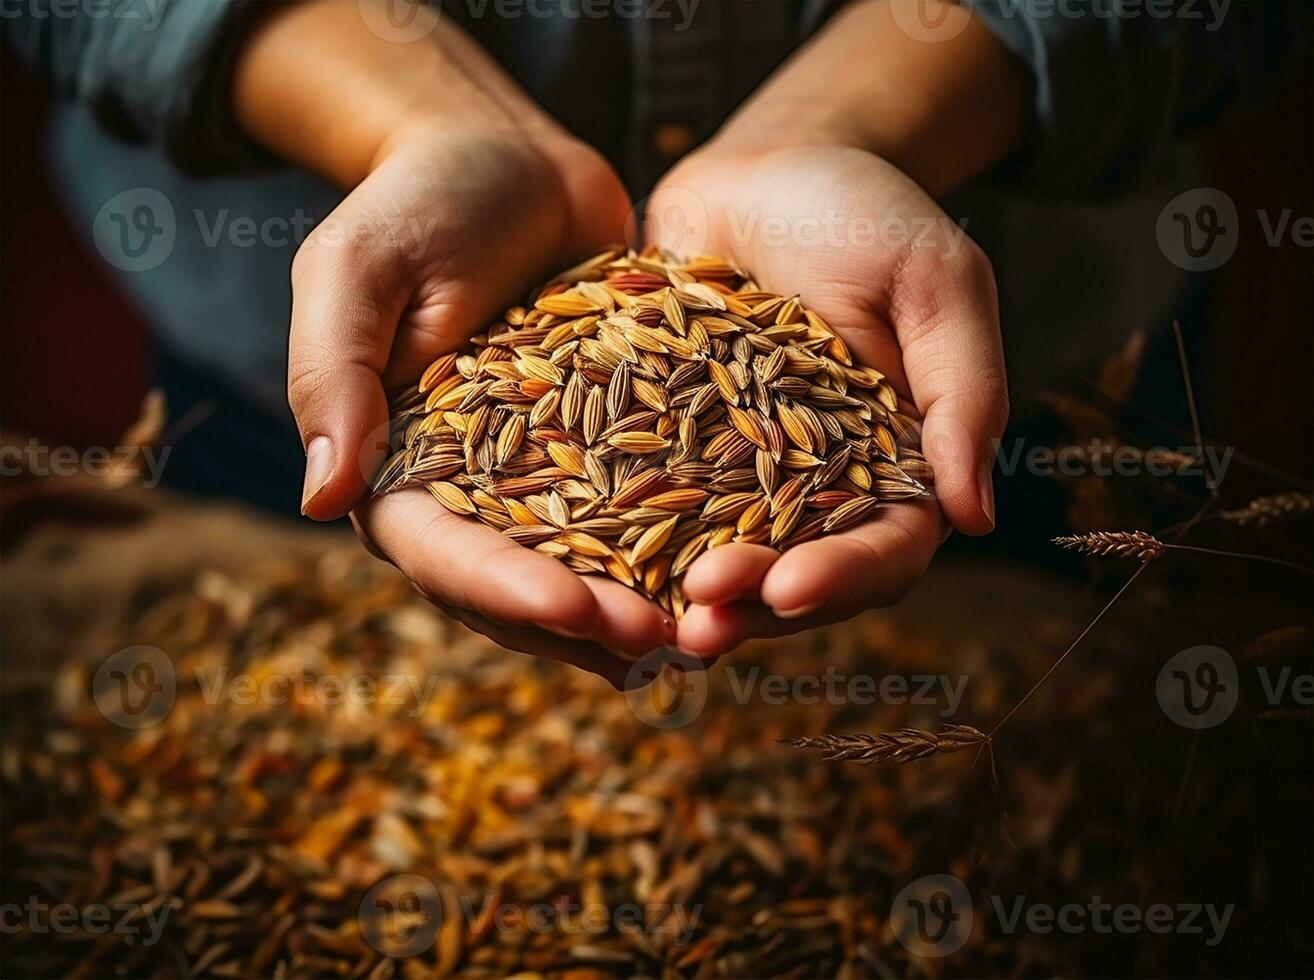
320	86
942	111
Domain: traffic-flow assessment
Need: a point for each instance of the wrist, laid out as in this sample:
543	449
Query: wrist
942	111
321	87
539	135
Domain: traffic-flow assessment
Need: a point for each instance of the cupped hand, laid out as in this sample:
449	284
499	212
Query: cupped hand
912	296
447	231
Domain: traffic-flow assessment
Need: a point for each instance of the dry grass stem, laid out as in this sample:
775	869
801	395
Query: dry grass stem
1273	507
1139	544
904	745
1114	544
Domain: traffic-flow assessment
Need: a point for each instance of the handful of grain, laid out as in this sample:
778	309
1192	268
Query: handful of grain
643	411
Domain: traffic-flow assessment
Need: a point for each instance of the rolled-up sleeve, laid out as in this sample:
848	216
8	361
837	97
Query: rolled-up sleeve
1117	80
157	70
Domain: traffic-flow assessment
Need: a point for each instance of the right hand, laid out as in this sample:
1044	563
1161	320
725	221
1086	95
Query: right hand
445	232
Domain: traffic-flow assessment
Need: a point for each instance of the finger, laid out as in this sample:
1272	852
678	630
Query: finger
598	203
345	306
947	318
538	643
628	623
461	563
712	631
873	565
733	571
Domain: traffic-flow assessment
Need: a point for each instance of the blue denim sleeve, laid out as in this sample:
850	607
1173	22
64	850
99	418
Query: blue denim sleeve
156	70
1116	81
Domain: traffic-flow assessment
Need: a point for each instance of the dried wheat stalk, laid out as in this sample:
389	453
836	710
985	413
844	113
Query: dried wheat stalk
642	411
1114	544
904	745
1273	507
1139	544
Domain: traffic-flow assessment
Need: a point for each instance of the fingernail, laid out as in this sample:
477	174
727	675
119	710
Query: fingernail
986	481
319	469
797	612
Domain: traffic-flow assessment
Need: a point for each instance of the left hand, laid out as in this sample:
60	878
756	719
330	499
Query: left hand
912	296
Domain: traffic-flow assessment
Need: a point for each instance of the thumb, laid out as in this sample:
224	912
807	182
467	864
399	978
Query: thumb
342	331
954	359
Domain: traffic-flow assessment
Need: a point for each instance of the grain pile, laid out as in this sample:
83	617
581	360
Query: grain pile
346	784
263	820
641	412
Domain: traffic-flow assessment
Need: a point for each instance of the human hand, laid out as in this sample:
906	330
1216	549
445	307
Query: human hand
441	236
911	295
462	193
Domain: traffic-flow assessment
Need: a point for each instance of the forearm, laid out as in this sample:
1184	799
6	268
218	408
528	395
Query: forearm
942	111
317	85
